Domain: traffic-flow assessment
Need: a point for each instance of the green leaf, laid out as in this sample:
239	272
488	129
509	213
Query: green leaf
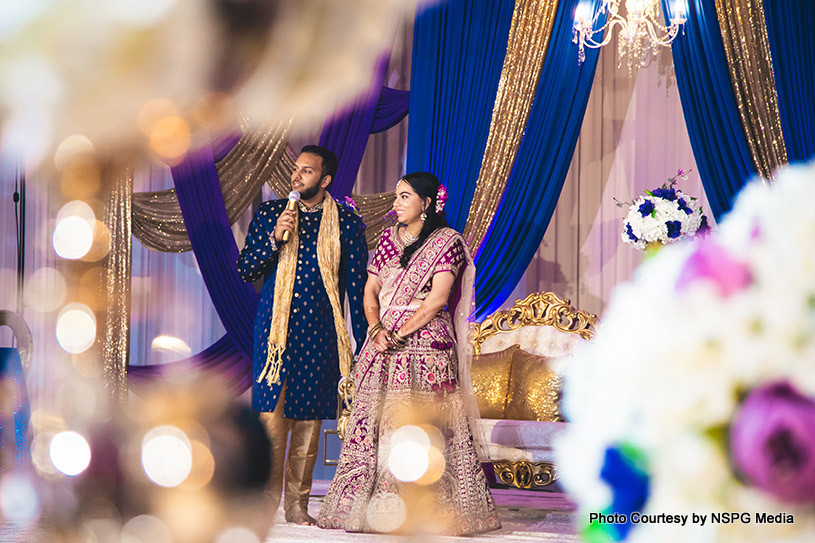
719	435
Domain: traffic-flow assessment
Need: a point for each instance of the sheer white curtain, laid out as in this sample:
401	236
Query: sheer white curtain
43	299
169	297
633	138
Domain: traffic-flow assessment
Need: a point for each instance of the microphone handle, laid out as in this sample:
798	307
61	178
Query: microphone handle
291	205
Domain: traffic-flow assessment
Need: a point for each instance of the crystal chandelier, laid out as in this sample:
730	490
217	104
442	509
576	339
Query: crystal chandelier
639	35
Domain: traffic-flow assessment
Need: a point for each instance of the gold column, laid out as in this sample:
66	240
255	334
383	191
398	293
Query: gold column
744	33
529	36
118	271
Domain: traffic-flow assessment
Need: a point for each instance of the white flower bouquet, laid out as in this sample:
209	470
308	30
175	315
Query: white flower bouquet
692	414
663	215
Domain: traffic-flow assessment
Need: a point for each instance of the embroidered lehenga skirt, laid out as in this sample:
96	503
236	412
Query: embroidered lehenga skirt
417	385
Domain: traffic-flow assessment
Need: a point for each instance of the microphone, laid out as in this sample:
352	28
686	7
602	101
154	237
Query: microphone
294	197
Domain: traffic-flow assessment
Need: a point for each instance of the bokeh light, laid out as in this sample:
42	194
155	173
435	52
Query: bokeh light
408	459
78	208
73	237
19	502
45	290
70	148
101	243
70	453
435	467
152	112
203	466
77	399
386	513
146	529
170	138
237	535
76	328
166	456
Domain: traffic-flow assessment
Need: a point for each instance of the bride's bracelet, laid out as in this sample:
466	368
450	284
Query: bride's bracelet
374	330
397	340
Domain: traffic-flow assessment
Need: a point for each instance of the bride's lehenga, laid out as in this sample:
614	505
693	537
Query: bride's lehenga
420	381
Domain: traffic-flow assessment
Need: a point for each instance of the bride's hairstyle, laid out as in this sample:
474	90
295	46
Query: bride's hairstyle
426	185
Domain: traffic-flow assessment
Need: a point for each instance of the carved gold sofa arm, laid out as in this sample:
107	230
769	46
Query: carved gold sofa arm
537	309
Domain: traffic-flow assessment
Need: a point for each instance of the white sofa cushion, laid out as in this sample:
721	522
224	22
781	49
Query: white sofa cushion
516	440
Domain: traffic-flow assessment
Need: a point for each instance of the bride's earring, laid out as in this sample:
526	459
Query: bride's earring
423	216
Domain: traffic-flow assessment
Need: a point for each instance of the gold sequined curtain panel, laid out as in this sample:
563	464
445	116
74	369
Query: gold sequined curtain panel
744	33
529	35
259	157
256	158
118	271
374	208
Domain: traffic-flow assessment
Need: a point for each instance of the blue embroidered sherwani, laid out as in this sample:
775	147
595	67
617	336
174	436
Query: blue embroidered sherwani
310	362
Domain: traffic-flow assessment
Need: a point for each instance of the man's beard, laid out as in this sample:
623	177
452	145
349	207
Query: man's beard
310	193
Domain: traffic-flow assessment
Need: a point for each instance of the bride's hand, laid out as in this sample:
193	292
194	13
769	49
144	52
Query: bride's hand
380	342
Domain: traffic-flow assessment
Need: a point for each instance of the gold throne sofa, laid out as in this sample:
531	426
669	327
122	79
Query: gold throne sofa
520	355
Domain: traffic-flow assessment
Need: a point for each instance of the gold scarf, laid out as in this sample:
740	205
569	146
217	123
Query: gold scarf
328	258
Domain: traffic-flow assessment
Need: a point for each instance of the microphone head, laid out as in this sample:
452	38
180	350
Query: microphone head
294	196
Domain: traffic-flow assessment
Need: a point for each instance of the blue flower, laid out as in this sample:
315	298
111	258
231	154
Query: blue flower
630	233
683	206
625	473
665	193
674	228
646	208
703	226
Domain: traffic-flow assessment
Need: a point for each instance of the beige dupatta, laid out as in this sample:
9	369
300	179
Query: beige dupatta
328	258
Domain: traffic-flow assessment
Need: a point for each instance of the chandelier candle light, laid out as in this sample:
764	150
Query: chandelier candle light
640	32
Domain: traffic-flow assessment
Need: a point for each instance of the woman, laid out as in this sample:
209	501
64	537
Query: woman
413	371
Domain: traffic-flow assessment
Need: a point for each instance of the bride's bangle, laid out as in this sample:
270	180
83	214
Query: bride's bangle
374	330
398	341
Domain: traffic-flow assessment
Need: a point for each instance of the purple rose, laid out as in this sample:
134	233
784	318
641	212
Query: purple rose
772	442
646	208
665	193
674	229
712	262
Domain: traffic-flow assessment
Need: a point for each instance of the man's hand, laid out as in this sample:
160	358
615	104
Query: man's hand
285	223
380	342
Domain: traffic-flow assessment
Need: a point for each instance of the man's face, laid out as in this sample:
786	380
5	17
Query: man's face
307	177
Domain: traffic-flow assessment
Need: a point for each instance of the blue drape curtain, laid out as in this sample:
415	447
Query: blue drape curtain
540	167
202	205
703	79
391	109
346	133
458	52
792	46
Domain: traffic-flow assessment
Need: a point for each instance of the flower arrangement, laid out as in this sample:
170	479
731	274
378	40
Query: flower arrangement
697	398
663	215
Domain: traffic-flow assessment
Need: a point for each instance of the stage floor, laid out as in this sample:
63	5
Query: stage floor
525	516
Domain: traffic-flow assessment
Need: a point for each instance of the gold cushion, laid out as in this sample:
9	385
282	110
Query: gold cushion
490	373
534	389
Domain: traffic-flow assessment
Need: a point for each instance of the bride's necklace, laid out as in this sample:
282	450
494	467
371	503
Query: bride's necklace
409	238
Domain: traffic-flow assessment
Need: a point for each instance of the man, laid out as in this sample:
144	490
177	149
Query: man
301	341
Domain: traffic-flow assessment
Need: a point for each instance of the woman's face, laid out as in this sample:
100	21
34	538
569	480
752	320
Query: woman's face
408	205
